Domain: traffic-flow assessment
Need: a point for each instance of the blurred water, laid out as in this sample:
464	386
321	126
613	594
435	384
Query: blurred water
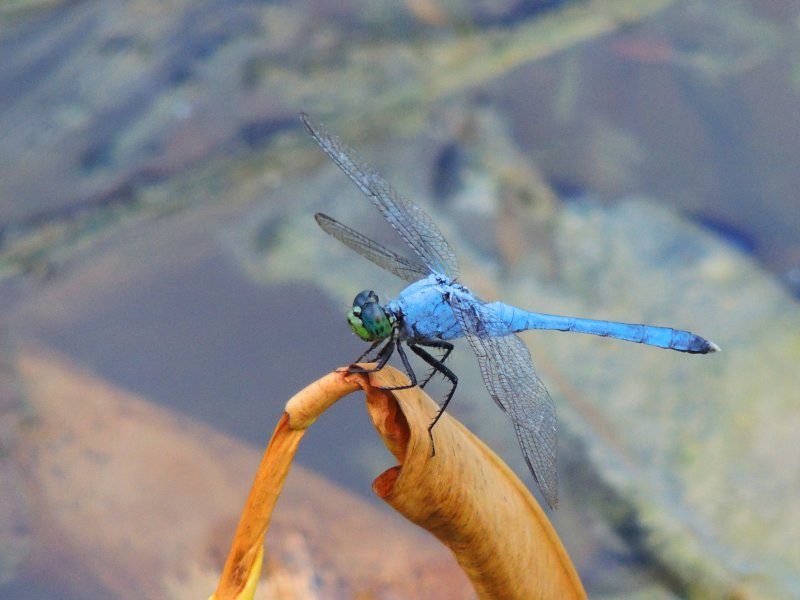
138	139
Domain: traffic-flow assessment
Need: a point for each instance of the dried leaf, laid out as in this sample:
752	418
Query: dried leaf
245	555
468	498
113	496
464	494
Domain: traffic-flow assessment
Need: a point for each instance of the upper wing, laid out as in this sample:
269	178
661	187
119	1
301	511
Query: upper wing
412	223
508	372
372	250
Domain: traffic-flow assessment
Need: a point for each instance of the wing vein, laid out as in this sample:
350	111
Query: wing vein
507	370
414	225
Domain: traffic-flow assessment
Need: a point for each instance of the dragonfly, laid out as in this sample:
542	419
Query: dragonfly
436	309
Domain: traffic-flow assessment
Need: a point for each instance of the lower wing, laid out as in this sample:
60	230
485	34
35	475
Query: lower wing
509	376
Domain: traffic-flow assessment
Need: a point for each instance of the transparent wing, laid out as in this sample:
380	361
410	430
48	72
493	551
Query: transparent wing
372	250
509	376
411	222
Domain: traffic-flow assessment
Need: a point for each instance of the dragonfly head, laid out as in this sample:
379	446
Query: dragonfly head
368	319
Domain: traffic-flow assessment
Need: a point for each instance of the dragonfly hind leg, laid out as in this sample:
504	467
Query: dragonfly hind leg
438	367
448	348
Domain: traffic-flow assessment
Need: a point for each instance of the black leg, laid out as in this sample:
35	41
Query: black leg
382	358
438	366
448	348
409	371
368	350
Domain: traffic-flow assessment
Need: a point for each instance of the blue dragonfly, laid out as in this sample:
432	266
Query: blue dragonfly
435	309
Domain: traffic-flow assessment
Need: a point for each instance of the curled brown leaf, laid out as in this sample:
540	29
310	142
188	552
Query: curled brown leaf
463	493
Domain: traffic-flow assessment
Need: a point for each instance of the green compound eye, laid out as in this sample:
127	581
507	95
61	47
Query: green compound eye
375	321
368	319
364	297
358	327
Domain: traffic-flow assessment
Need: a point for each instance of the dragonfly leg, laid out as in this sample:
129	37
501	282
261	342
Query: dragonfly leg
372	347
409	371
438	366
448	348
381	358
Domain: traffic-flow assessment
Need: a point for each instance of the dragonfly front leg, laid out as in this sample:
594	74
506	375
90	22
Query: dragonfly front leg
372	347
381	358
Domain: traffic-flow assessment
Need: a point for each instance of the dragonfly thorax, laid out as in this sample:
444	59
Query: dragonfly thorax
368	319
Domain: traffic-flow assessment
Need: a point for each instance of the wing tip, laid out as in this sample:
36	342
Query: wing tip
312	127
550	494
